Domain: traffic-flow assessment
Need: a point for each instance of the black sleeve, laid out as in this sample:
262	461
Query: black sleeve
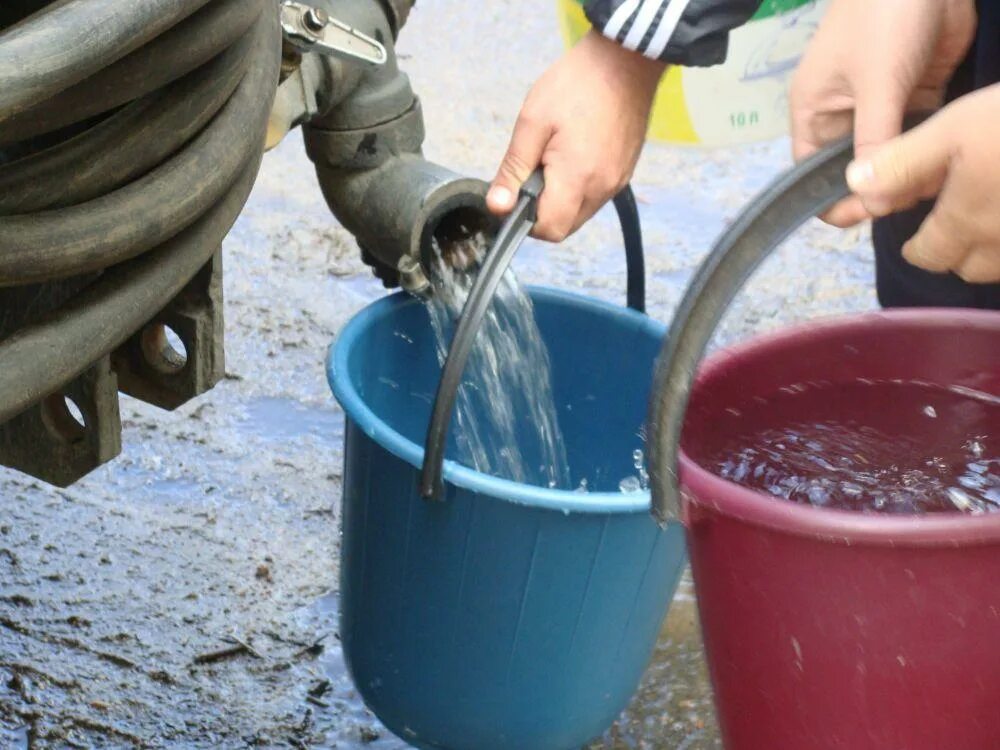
680	32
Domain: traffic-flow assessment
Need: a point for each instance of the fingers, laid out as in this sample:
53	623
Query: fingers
903	171
846	213
559	206
951	240
940	244
878	114
813	128
937	250
876	121
981	265
524	154
950	157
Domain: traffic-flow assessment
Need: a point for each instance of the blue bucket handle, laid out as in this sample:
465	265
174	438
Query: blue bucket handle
512	233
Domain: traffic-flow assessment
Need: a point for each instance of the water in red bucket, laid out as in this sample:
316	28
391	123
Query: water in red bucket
890	446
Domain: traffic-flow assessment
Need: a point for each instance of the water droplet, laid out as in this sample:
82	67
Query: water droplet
629	485
975	447
960	498
818	494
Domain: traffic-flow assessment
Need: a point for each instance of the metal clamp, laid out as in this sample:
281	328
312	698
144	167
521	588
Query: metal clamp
313	29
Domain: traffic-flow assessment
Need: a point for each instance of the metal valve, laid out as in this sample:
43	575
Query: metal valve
314	30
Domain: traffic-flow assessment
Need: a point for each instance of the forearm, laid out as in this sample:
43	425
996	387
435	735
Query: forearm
623	67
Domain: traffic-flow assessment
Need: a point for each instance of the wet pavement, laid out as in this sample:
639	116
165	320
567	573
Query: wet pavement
185	595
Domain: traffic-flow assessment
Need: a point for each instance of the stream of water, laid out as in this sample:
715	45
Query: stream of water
505	415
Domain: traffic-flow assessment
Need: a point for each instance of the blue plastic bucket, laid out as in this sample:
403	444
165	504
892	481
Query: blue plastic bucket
507	616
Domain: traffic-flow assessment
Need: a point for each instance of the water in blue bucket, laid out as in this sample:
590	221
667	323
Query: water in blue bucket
507	614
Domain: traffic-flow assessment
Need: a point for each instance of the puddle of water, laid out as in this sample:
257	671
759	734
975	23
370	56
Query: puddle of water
348	724
366	287
177	488
274	417
14	739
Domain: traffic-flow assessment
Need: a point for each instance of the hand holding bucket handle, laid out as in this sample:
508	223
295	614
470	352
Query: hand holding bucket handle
508	240
808	189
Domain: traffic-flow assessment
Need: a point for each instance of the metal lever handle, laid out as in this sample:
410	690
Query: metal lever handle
312	29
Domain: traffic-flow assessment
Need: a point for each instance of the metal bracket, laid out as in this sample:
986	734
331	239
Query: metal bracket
48	440
52	443
71	432
312	29
150	368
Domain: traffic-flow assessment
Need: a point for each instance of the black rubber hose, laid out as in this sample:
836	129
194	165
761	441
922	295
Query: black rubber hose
128	144
66	42
45	354
508	240
178	51
102	317
96	234
635	261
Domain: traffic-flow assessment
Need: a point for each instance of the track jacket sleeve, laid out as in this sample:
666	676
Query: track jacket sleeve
680	32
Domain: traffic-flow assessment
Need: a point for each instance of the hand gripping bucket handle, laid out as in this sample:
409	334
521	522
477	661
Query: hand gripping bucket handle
507	242
808	189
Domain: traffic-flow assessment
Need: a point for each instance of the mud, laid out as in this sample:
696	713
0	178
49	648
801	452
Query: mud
184	596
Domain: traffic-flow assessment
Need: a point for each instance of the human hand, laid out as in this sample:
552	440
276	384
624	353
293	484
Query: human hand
953	155
585	122
868	64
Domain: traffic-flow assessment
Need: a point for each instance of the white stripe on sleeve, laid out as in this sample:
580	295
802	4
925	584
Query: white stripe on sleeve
668	24
642	23
619	17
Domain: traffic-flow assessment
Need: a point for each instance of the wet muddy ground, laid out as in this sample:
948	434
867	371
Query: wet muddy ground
185	595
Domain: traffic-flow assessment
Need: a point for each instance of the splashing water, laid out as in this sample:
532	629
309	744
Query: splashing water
888	447
640	481
505	414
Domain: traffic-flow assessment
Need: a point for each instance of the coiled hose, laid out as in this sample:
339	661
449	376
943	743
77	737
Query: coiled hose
130	137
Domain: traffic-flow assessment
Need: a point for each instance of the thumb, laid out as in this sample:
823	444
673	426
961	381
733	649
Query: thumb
903	171
527	144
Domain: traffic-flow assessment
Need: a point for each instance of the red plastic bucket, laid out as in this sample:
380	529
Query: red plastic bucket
831	629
